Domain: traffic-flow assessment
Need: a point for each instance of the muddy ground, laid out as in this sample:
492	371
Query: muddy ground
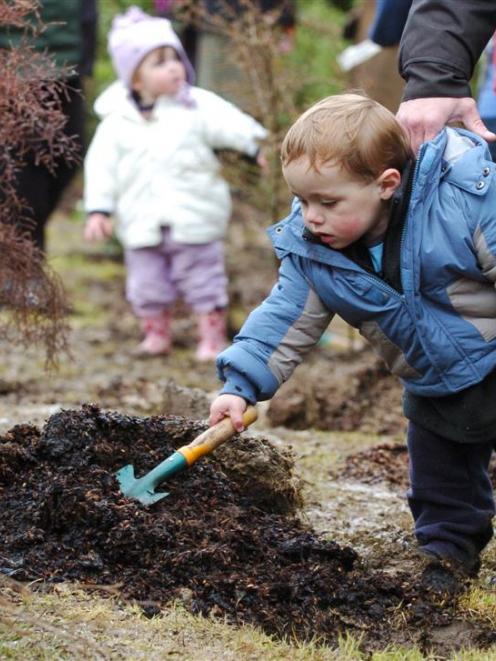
300	526
220	545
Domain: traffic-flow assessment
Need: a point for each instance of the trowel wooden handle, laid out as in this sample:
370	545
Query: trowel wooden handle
215	436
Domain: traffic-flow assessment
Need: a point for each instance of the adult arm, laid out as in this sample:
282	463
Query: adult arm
441	44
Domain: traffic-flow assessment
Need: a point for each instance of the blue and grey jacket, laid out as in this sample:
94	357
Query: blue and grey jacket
435	327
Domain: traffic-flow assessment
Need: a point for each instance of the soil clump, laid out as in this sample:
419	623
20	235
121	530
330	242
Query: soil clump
387	463
222	542
340	392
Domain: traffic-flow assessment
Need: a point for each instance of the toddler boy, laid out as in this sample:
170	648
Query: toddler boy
406	253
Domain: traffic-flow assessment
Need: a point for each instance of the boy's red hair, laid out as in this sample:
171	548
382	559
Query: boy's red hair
350	130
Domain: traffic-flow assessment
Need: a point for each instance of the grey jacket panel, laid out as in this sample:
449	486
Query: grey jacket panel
300	338
486	258
391	354
476	303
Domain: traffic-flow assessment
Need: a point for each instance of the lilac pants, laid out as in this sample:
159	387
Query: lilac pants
157	276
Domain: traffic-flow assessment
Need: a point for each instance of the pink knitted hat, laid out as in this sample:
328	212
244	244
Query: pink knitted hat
134	34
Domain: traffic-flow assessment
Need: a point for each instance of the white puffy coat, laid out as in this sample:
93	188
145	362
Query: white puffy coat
163	172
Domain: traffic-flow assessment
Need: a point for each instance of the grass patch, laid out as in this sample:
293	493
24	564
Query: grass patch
70	623
480	603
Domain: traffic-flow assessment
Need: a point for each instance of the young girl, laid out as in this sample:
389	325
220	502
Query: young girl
152	166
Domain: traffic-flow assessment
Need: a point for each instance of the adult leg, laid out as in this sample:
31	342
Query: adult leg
39	188
34	184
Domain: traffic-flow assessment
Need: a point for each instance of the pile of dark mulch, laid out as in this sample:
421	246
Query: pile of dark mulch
212	543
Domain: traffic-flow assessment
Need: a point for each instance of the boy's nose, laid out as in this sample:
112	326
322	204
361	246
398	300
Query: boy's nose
313	216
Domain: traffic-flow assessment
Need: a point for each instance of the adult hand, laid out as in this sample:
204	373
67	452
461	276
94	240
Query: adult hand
98	227
424	118
228	406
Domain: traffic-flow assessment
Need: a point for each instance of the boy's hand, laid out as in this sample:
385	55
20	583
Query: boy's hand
228	406
98	227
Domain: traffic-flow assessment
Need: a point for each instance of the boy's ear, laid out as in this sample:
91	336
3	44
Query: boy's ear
388	182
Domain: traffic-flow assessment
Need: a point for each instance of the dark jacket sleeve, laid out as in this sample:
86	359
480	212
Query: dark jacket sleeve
441	43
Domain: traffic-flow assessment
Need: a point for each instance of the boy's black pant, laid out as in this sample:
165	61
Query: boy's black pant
450	495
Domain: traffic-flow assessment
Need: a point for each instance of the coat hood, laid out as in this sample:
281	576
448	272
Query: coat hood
117	99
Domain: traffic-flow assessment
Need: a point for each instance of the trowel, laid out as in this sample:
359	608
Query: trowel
143	488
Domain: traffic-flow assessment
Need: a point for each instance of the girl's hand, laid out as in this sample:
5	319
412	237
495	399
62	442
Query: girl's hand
228	406
262	160
98	227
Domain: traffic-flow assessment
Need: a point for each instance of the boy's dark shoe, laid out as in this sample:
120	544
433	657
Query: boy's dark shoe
446	577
